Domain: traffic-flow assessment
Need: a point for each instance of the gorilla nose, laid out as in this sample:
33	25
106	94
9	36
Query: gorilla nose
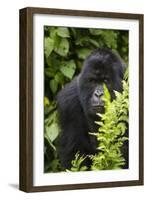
98	93
96	99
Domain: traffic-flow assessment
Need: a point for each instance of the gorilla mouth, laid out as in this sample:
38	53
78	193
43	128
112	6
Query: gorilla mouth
99	108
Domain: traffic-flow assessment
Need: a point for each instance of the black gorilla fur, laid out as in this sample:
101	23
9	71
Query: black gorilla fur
80	100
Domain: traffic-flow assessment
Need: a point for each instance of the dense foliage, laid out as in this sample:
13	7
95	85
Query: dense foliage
64	52
111	133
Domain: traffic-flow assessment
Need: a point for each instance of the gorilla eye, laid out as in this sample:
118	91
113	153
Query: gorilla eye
105	80
91	80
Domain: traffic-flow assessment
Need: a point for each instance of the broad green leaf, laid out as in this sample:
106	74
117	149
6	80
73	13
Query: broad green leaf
68	72
51	144
52	131
71	64
68	69
83	53
52	117
50	72
110	39
53	32
59	77
46	101
63	32
62	47
53	85
94	42
95	31
48	46
82	40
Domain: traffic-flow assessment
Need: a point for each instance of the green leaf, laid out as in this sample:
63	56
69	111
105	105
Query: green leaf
46	101
73	32
123	118
59	77
110	39
126	74
53	85
83	53
48	46
99	123
52	131
95	31
82	40
94	42
49	72
77	163
122	127
68	72
62	47
68	69
53	32
50	143
63	32
106	92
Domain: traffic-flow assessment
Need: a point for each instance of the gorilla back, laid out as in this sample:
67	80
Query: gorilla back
80	100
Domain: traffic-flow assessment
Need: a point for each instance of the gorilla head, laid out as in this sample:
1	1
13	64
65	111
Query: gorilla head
80	100
102	66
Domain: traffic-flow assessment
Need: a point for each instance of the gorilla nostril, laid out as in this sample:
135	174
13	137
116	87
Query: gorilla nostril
101	93
98	93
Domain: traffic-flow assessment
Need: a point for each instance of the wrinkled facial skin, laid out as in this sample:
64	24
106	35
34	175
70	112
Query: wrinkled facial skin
96	100
99	68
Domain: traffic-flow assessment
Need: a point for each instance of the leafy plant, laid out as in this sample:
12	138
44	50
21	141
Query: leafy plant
111	131
51	133
77	163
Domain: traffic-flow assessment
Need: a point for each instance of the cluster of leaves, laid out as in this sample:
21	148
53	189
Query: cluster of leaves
111	131
51	132
64	52
77	163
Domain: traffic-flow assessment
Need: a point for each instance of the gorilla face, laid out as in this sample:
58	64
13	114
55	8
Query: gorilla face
102	66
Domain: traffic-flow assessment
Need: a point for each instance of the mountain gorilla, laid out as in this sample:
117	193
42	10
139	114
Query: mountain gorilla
80	100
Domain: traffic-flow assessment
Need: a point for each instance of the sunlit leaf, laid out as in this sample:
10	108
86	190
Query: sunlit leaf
52	131
83	53
53	85
59	77
94	31
62	47
68	69
48	46
63	32
46	101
